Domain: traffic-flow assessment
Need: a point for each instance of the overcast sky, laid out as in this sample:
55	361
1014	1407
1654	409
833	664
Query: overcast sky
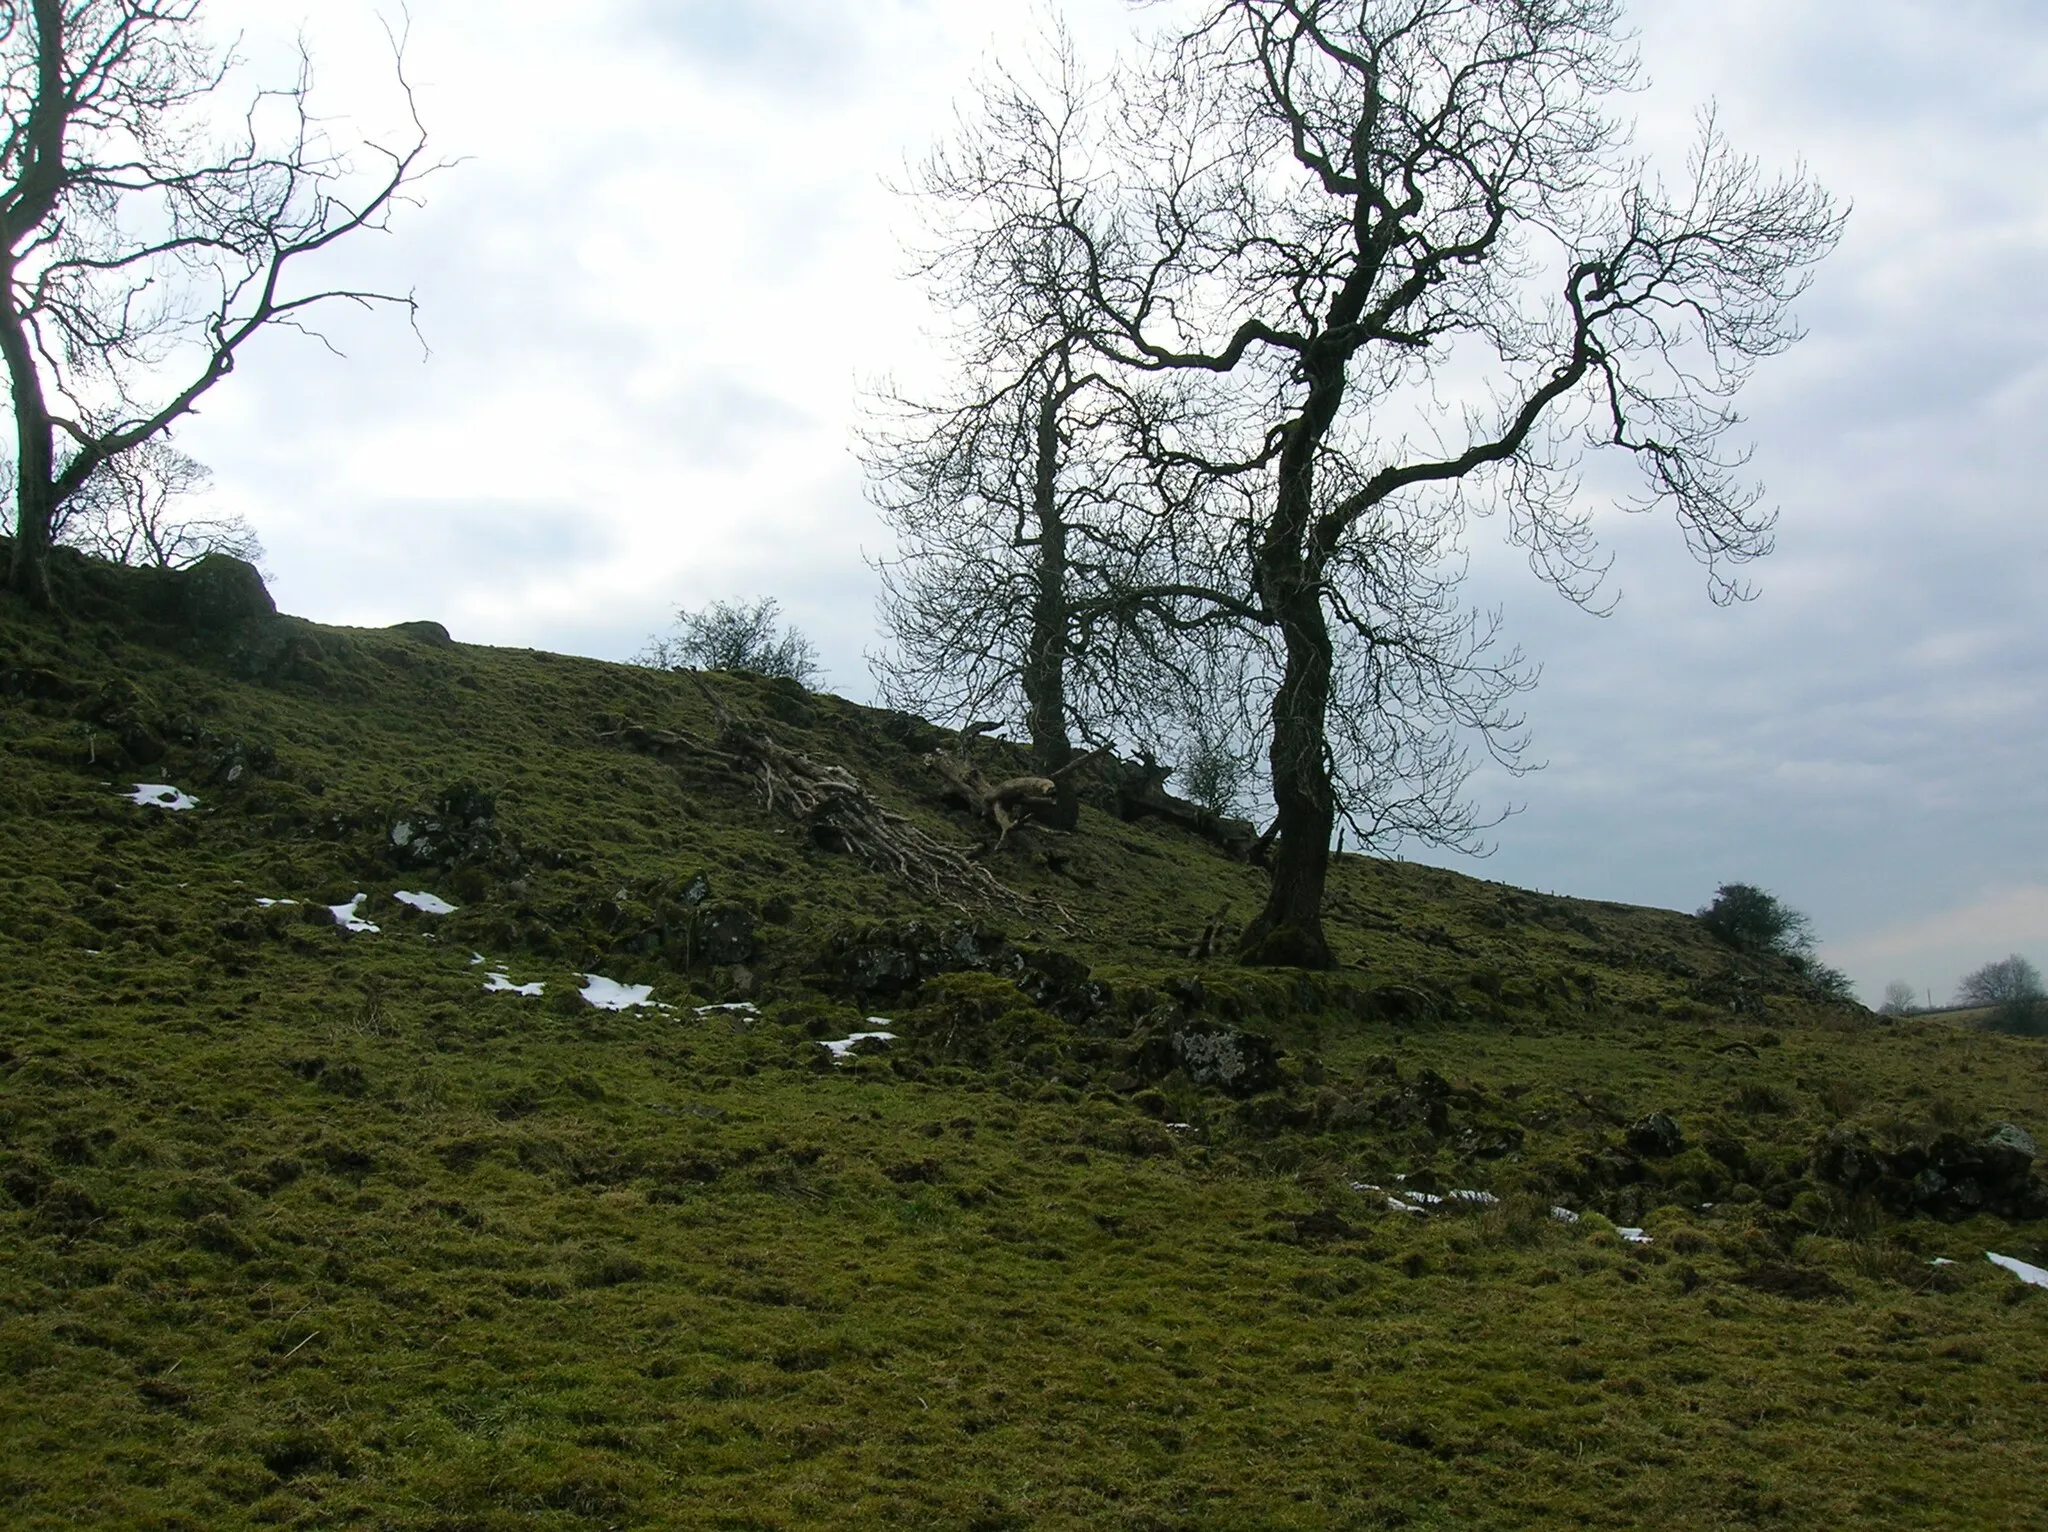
668	262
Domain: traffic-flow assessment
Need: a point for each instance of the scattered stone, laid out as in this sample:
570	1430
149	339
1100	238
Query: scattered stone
1950	1177
1236	1063
725	934
1656	1136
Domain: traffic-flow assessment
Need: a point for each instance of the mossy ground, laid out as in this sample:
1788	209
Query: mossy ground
305	1228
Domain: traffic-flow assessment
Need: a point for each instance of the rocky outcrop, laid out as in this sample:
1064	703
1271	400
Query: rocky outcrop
1951	1176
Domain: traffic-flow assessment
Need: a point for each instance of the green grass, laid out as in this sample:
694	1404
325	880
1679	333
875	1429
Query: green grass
306	1229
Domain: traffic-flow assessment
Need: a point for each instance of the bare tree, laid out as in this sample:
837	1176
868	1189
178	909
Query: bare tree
133	510
140	252
2011	988
1900	999
1043	544
1407	245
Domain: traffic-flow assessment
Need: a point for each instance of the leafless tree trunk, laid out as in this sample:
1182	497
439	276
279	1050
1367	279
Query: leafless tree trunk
137	255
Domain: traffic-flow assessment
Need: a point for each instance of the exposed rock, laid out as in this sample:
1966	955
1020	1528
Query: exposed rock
425	632
220	592
1236	1063
725	933
1951	1176
1656	1136
460	827
883	962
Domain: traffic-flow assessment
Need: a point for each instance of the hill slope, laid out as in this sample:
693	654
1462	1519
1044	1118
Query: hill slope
308	1225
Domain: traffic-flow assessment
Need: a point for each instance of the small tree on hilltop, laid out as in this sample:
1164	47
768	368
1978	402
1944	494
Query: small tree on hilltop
2012	988
1900	999
734	635
1750	920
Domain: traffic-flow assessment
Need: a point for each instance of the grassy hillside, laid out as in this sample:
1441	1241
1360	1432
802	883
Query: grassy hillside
306	1226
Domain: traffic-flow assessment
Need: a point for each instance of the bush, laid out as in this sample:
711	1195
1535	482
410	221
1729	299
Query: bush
2013	989
1754	922
1750	920
729	635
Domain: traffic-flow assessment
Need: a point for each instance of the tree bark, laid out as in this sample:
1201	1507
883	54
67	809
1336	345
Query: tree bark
35	507
1289	930
1045	658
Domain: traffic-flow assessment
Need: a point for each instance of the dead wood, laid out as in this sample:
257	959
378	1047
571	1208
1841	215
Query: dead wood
837	809
1141	793
1005	804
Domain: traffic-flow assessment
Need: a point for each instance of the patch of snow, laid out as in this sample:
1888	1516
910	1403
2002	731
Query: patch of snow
842	1048
1480	1199
1366	1186
611	995
501	984
1180	1127
743	1007
1633	1236
1396	1205
1423	1199
347	916
1564	1215
271	904
426	904
476	960
2032	1275
1941	1260
161	795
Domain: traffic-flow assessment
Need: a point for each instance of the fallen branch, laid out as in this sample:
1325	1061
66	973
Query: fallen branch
836	808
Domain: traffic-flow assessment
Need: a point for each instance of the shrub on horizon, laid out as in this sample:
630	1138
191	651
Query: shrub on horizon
735	635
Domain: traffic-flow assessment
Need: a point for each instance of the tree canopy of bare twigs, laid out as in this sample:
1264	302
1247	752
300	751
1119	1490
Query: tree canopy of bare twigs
1043	533
1401	254
134	509
149	231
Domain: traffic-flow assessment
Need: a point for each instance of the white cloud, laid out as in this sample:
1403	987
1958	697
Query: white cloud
1933	952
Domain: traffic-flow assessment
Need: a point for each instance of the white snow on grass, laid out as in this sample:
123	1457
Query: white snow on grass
349	916
2032	1275
611	995
426	904
1477	1199
740	1007
1633	1236
161	795
501	984
1396	1205
271	904
1564	1215
476	960
842	1048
